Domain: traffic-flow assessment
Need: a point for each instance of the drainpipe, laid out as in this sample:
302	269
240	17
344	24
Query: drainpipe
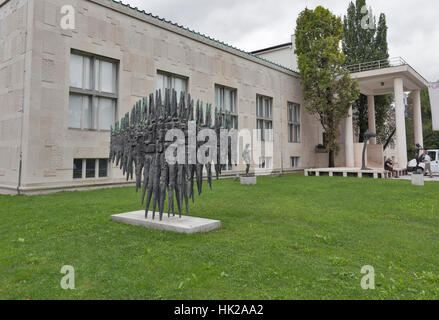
19	170
281	152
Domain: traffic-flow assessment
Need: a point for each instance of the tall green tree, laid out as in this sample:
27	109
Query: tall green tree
384	109
328	89
364	41
358	34
380	45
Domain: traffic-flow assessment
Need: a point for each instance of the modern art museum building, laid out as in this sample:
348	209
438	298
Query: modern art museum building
70	68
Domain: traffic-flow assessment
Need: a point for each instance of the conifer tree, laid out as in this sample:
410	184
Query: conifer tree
365	41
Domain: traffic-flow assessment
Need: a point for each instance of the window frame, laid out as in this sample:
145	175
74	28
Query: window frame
234	114
173	76
263	163
95	94
80	170
97	169
264	119
294	125
295	162
433	155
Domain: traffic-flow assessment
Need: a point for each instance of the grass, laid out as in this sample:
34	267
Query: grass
286	238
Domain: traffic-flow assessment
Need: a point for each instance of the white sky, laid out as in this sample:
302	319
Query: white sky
255	24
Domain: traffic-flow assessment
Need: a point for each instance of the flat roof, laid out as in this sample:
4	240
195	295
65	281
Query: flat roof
279	46
381	81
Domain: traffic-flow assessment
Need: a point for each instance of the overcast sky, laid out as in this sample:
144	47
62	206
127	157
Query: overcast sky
255	24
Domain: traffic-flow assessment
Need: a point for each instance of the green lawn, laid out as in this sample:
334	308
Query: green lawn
286	238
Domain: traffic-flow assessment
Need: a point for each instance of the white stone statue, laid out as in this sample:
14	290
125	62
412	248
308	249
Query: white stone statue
247	158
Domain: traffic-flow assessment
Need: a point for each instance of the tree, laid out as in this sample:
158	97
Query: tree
328	89
358	39
384	110
381	46
362	42
431	138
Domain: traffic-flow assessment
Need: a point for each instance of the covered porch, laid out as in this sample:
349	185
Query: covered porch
393	76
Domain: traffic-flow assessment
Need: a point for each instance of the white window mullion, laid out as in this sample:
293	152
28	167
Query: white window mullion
83	72
223	93
93	73
84	163
97	168
82	112
100	76
95	113
97	72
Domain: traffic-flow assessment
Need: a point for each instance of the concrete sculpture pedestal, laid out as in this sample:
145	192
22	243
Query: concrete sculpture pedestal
248	180
418	180
186	224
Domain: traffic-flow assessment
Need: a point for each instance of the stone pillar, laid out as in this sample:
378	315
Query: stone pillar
371	115
349	141
401	141
417	117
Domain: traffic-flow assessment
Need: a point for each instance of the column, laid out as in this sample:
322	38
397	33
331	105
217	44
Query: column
417	117
371	115
349	141
401	142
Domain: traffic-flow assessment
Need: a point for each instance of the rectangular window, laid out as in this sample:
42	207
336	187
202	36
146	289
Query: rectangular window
227	167
432	155
107	109
76	103
90	168
171	81
295	162
293	122
103	168
225	101
93	92
265	163
264	118
77	168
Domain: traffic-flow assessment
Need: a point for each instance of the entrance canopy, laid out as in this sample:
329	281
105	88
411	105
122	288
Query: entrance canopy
393	76
377	77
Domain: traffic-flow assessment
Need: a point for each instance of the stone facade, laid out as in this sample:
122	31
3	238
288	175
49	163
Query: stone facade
13	27
34	87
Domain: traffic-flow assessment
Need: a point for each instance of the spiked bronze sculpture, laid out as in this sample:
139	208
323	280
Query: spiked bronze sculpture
138	145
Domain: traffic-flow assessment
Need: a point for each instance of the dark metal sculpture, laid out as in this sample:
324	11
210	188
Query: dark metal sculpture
367	136
138	146
246	157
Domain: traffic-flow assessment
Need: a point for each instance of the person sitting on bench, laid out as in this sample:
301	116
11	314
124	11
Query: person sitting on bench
389	166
